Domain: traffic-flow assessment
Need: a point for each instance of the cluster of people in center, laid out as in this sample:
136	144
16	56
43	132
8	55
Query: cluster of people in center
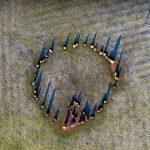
75	115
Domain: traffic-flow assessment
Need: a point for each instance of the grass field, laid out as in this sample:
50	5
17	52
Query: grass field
25	25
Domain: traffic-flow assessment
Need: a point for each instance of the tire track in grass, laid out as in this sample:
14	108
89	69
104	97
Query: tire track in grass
141	33
106	12
9	55
49	15
56	5
140	50
145	76
9	73
127	39
4	81
136	42
53	23
143	57
141	64
144	72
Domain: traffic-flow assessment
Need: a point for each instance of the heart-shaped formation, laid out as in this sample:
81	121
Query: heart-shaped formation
76	115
